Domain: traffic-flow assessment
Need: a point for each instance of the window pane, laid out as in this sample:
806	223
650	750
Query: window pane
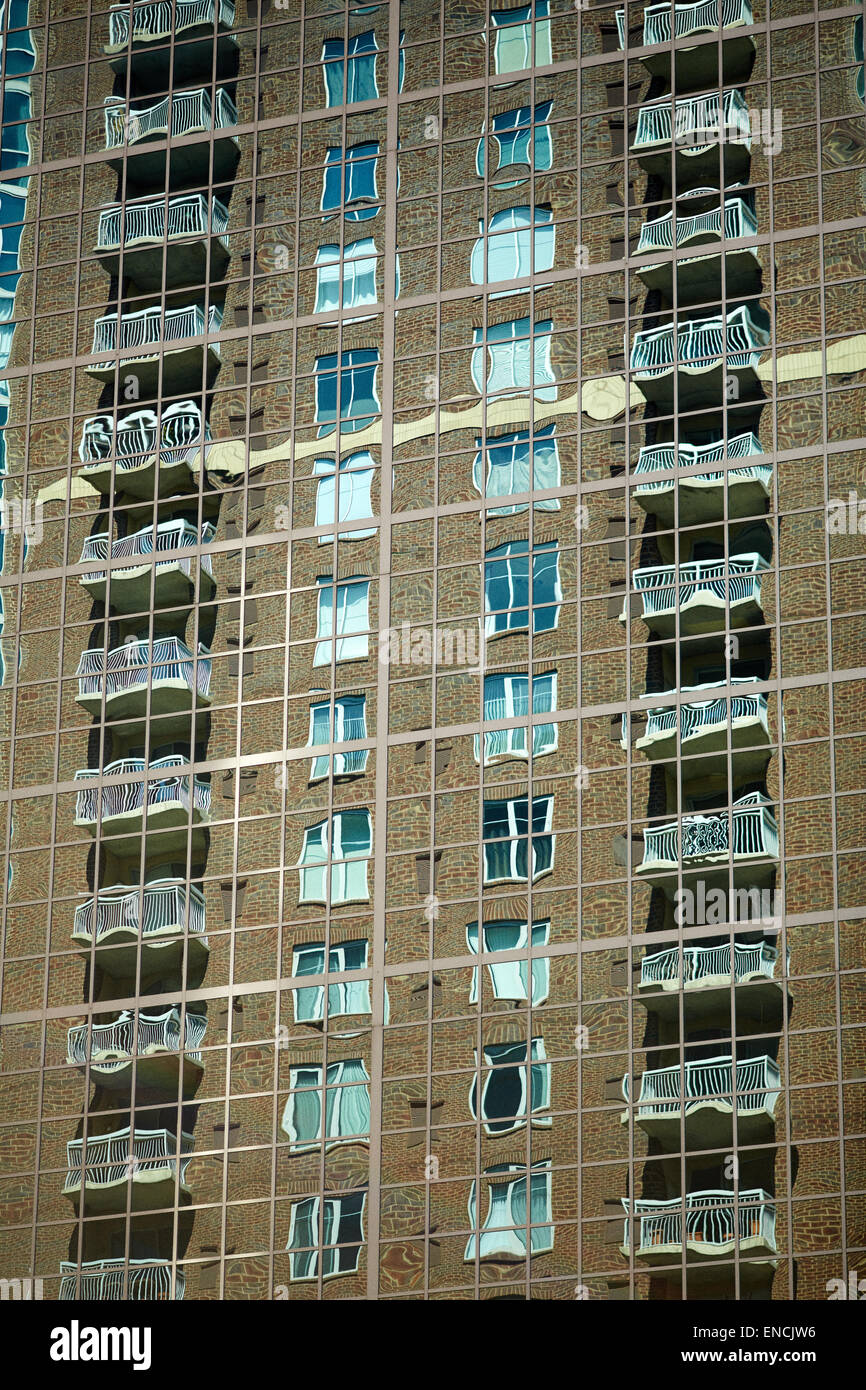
520	242
513	49
352	181
514	463
358	69
520	137
358	398
351	284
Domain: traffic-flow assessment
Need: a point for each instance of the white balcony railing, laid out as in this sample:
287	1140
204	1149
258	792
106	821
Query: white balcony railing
94	804
355	760
755	835
706	716
167	906
111	1046
125	1154
107	1281
176	437
158	219
735	221
182	113
699	343
161	18
715	582
671	1090
146	328
131	666
500	743
694	124
656	458
695	964
660	26
169	535
711	1219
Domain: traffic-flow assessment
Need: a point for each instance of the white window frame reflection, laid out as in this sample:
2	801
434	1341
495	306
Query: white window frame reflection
350	76
343	720
352	481
509	979
352	174
517	359
353	375
519	461
513	703
525	591
345	1103
17	112
347	865
337	1255
520	241
350	637
522	136
535	844
521	37
501	1060
347	279
344	997
508	1237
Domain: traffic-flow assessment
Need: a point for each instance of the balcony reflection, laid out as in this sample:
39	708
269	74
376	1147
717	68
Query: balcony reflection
107	1281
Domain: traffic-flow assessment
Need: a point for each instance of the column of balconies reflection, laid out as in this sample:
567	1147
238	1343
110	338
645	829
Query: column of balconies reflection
698	350
152	920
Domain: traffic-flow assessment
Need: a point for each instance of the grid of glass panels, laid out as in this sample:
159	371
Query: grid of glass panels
403	623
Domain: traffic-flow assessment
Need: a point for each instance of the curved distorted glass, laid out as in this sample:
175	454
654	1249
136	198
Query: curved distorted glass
518	461
347	840
352	481
521	37
347	281
346	1113
521	136
343	620
518	359
350	178
347	997
509	1229
349	68
508	589
344	721
510	979
511	852
520	241
349	380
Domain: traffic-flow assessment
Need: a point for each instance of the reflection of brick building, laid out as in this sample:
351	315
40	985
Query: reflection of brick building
459	619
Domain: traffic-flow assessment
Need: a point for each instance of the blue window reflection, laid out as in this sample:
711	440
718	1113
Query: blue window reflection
351	179
520	136
350	69
358	399
509	593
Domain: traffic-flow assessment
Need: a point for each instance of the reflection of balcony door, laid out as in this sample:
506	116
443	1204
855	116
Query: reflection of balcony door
704	1043
718	801
708	550
709	1179
703	805
754	538
143	1245
716	673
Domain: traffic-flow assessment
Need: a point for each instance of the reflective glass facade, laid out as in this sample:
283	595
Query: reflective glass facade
433	699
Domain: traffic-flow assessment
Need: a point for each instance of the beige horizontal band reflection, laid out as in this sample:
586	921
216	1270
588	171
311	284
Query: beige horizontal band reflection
601	399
